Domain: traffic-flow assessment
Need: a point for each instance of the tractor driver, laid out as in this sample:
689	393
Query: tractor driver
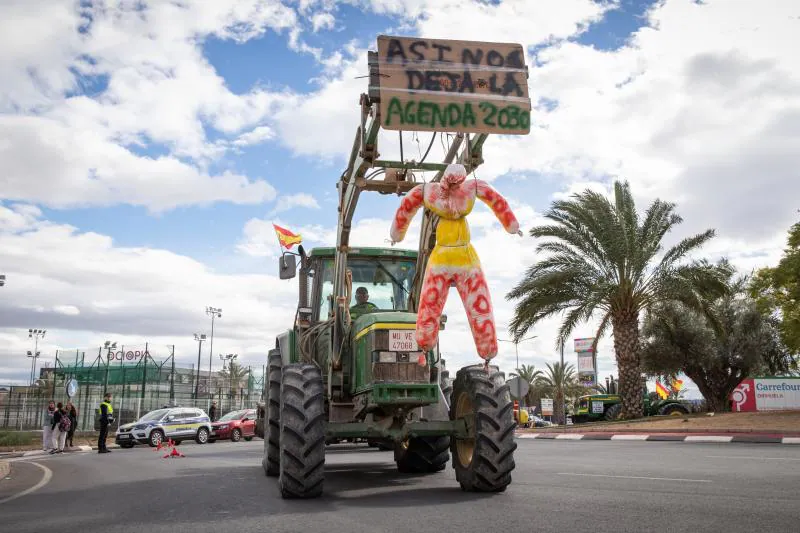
363	304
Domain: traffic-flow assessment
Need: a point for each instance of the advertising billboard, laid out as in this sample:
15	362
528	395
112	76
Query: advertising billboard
766	394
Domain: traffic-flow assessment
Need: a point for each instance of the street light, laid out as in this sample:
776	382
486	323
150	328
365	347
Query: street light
516	345
199	338
109	346
33	363
35	334
214	312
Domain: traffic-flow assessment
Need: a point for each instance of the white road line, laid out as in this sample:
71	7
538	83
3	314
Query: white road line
637	477
629	437
791	440
570	436
527	436
753	457
48	474
707	438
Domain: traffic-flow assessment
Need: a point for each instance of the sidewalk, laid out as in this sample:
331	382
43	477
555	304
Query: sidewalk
667	436
34	453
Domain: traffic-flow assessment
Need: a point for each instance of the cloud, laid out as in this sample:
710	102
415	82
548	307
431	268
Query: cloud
96	290
288	202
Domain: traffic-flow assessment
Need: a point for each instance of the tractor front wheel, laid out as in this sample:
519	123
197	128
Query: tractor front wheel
483	461
302	431
422	455
272	429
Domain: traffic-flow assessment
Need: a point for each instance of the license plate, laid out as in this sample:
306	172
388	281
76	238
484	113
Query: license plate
124	436
402	340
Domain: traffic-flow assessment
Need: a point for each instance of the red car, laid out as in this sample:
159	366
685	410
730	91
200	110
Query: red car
236	425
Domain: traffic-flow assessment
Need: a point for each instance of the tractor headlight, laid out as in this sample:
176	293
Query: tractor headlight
387	357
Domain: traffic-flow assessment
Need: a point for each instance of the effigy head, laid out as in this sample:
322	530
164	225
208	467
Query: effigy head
454	175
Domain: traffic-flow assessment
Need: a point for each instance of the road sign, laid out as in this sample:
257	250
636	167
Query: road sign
547	407
519	387
71	388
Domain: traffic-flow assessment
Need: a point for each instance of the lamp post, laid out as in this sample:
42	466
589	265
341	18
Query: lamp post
214	312
516	345
230	358
35	334
109	346
199	338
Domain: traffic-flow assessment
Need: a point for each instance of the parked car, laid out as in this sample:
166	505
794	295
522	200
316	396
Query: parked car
176	423
236	425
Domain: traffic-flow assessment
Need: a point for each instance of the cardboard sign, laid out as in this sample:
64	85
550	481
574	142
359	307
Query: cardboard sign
453	86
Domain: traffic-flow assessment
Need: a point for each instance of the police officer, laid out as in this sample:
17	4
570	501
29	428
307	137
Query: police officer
106	412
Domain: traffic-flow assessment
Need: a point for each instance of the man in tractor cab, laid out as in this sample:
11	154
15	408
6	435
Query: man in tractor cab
363	304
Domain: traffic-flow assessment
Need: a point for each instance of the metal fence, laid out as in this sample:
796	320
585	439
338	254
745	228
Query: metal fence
138	384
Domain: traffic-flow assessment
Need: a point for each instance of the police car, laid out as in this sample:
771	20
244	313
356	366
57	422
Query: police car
176	423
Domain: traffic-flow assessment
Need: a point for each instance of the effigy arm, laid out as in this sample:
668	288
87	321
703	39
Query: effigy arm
405	213
499	206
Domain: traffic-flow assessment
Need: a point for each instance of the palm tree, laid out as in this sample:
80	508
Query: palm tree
560	382
604	259
233	374
530	374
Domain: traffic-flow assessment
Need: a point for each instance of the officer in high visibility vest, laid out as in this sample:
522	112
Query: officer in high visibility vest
106	412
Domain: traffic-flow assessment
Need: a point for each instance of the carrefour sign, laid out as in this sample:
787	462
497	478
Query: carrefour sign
766	394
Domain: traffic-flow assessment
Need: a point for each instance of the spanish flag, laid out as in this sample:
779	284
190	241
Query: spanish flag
677	385
662	392
286	238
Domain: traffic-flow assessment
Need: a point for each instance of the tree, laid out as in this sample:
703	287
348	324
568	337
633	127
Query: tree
777	291
602	258
530	374
233	374
716	350
560	382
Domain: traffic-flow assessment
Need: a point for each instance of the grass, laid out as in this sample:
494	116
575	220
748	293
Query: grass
17	438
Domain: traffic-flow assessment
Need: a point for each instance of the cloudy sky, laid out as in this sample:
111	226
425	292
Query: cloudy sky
146	148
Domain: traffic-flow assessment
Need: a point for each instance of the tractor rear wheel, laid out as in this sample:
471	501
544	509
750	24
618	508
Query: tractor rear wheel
272	431
422	455
613	412
484	460
673	410
302	431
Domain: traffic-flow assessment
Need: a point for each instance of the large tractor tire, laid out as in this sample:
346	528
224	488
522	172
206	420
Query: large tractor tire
422	455
302	431
673	410
272	431
483	461
613	412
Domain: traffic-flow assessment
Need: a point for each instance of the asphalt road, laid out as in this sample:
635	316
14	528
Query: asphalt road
564	486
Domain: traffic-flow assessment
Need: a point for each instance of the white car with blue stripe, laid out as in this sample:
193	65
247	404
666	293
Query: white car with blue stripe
176	423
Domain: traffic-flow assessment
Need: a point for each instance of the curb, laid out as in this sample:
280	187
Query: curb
5	468
764	438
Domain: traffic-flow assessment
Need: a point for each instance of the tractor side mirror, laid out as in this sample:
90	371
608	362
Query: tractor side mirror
287	266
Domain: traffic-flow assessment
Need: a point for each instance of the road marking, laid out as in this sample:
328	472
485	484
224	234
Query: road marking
48	474
707	438
527	436
754	457
791	440
629	437
637	477
570	436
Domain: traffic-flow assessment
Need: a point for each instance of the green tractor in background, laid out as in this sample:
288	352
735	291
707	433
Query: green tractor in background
351	370
596	407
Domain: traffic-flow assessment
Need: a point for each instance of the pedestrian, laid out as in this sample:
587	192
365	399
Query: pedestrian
212	412
60	428
72	412
106	412
47	424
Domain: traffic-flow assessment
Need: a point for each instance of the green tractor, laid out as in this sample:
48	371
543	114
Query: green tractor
595	407
351	370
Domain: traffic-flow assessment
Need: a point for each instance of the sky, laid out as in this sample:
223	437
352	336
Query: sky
147	147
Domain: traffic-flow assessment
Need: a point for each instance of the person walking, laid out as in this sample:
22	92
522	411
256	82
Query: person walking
106	412
72	413
47	424
212	412
59	428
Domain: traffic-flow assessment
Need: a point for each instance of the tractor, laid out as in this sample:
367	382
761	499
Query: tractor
354	371
595	407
